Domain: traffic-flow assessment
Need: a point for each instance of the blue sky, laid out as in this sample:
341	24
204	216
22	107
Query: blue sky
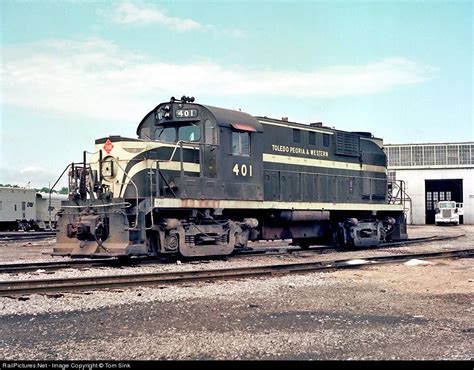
74	71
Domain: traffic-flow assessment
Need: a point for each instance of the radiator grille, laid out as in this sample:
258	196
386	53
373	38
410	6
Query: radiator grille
446	213
347	144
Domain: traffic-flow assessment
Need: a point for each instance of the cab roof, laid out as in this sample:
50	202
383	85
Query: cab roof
224	118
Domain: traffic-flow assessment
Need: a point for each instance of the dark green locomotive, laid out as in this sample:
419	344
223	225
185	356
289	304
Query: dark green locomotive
201	180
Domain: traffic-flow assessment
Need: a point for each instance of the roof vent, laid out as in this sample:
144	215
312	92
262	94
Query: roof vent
363	133
284	119
316	124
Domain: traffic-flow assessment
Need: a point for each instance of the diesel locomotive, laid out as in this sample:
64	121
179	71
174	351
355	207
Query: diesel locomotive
203	181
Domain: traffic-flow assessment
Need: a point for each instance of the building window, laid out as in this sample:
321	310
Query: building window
241	143
448	195
405	156
417	155
464	155
440	154
428	156
0	205
428	201
15	207
296	135
392	176
312	138
393	156
23	206
326	140
453	154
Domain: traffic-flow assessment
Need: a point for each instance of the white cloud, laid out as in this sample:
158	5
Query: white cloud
129	13
96	79
33	176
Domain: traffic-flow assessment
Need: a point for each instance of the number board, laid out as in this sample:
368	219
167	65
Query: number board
186	113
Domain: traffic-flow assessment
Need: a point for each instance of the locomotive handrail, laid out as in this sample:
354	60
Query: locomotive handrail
127	204
174	150
79	165
136	193
400	192
400	196
51	190
180	144
164	178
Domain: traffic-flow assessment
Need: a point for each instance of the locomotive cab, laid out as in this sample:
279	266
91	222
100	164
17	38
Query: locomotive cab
225	145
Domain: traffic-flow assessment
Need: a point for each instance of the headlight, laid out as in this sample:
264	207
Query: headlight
109	168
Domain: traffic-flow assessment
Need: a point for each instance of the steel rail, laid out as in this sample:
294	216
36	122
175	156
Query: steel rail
57	265
20	235
258	251
421	240
20	287
323	248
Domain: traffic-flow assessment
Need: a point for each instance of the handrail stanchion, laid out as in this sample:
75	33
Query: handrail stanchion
51	190
136	192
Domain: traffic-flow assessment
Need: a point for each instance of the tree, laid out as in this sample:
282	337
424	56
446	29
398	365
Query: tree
64	190
44	189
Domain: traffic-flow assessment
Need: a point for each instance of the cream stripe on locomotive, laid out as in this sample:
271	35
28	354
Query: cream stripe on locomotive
256	204
276	158
166	165
124	151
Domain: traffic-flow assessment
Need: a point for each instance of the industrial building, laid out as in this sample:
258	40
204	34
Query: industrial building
432	173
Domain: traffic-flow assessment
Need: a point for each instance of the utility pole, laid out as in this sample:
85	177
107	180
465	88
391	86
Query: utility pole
49	206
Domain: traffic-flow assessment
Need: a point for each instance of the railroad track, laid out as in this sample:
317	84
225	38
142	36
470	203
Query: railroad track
57	265
26	235
324	248
21	287
257	251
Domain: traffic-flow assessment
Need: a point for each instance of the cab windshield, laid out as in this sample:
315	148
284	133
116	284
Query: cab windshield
449	205
171	134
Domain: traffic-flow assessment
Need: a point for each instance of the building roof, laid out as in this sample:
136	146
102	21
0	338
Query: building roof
452	143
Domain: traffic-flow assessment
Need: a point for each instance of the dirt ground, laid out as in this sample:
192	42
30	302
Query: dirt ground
386	312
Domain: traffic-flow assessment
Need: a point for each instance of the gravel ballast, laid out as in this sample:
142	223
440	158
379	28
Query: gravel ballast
392	311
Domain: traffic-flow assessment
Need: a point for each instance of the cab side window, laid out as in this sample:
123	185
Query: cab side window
240	143
326	139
